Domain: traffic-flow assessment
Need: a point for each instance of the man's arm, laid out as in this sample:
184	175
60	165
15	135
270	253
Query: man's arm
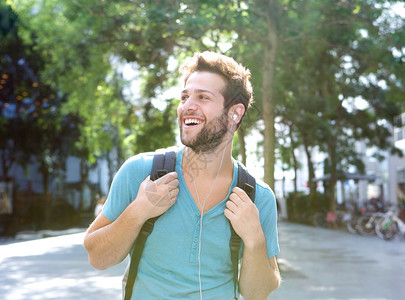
259	274
108	243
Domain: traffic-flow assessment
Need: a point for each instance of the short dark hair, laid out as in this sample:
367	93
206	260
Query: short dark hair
238	87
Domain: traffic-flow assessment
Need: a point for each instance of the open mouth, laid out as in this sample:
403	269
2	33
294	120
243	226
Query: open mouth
191	121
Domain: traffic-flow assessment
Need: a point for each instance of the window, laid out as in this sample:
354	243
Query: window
399	134
401	175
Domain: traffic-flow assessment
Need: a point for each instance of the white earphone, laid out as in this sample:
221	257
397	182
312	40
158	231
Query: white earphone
234	117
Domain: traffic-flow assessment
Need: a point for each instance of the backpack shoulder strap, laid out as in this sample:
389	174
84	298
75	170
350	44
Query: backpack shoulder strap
248	183
163	163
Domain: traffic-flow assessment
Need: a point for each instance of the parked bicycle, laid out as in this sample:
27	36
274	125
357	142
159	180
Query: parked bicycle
392	225
351	216
324	219
340	219
366	224
371	213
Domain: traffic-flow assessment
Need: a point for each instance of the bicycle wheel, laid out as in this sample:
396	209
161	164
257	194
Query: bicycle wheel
351	225
319	219
387	229
365	225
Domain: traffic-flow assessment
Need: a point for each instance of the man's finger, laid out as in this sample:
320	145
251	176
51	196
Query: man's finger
241	194
168	177
173	184
172	187
235	198
231	206
173	193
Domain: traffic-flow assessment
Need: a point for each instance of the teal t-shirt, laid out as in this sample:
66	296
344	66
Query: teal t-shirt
169	268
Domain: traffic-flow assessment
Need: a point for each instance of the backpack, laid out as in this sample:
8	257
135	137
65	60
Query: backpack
164	163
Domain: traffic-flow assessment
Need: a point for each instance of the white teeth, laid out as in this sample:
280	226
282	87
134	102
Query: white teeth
192	121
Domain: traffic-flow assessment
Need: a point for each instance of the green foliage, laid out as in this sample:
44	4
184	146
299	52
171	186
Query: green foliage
156	130
84	44
328	54
333	55
30	120
301	207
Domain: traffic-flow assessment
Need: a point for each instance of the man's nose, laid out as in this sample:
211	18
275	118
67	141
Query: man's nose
191	103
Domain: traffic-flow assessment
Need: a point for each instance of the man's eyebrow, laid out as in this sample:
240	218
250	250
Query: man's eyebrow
198	91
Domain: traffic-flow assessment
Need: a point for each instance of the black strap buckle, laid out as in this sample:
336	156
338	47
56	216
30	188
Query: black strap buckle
162	173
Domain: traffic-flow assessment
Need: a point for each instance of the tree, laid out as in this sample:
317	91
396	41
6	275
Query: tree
85	46
296	49
31	124
328	74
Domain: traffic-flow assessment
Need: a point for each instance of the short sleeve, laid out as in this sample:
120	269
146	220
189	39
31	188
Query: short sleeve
267	206
125	185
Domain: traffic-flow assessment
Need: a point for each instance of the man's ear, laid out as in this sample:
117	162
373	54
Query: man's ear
236	112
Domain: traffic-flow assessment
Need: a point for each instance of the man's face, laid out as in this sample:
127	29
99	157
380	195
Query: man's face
202	119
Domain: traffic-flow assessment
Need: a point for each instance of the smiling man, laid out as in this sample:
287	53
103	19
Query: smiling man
187	255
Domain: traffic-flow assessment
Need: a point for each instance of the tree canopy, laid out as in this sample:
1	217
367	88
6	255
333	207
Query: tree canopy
312	62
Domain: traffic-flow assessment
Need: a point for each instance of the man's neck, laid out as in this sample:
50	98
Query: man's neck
209	165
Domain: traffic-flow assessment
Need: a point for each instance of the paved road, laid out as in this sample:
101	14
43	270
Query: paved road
316	264
323	264
55	268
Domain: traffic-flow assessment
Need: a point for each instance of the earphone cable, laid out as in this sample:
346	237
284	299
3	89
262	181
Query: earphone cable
202	207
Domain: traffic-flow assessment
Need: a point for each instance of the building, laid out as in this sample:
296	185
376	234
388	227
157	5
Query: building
383	179
397	164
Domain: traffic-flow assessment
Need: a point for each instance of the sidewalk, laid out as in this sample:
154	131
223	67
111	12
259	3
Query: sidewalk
326	264
316	264
29	235
54	268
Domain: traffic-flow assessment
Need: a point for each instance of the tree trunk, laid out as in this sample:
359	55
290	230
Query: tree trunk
6	166
84	173
5	169
45	181
269	65
112	163
295	172
333	176
46	206
311	171
242	145
295	162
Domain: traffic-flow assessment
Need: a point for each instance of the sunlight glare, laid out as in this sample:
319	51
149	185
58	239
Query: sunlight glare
40	246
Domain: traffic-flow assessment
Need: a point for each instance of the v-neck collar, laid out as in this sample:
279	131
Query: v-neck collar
219	207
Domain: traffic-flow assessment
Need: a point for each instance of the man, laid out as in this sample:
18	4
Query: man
187	255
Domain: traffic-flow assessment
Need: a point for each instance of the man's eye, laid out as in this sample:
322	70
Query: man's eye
203	97
183	98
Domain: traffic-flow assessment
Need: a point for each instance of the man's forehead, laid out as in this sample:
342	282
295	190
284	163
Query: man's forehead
205	81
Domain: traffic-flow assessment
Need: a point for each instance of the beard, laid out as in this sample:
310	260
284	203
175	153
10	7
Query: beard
210	136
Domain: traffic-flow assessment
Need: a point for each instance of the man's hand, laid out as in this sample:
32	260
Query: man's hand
259	275
159	195
243	215
108	243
